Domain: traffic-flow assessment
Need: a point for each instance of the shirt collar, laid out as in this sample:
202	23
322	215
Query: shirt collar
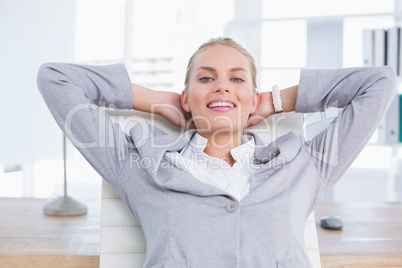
198	143
246	149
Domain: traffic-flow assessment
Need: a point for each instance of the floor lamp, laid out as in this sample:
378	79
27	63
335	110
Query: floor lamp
65	205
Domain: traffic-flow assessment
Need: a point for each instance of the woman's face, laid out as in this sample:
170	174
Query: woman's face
220	94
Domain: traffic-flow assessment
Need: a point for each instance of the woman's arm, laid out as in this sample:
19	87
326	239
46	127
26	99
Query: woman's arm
164	103
266	107
289	97
364	94
73	94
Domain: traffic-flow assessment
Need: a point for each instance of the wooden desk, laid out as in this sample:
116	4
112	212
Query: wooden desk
371	237
28	238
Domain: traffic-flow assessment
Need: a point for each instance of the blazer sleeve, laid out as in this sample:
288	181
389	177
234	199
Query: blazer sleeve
73	94
364	94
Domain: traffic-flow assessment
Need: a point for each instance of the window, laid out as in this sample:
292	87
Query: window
166	34
283	53
99	31
323	8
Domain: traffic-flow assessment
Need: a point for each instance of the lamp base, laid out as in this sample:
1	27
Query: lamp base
64	206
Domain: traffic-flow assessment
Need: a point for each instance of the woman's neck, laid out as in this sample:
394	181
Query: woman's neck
220	144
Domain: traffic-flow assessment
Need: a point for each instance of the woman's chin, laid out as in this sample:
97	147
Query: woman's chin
220	128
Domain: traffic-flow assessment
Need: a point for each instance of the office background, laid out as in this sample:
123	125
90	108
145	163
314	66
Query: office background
155	39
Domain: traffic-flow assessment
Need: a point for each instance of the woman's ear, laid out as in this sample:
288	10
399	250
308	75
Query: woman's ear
184	101
256	101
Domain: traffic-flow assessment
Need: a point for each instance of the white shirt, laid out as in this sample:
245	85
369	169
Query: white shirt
217	172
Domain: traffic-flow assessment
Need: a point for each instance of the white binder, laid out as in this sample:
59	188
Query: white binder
368	47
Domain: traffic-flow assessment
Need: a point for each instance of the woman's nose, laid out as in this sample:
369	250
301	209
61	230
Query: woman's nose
222	86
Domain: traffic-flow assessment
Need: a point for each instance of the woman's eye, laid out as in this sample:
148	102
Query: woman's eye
237	80
205	79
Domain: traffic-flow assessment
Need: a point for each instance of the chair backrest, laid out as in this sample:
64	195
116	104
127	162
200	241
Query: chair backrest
122	239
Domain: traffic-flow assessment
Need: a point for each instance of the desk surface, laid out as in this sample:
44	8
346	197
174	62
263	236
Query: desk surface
28	238
372	235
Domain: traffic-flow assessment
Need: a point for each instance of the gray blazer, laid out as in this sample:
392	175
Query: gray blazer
188	223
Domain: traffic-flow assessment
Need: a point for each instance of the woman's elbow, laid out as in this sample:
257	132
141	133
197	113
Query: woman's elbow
43	76
389	79
47	76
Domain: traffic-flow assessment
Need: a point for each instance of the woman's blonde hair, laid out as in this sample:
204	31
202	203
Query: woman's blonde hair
226	41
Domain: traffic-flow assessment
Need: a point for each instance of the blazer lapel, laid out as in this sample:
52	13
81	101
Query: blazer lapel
152	143
273	157
277	153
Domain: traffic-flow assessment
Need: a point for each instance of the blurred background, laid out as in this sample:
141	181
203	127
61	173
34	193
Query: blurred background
155	39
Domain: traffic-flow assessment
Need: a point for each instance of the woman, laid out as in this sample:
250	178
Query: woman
197	205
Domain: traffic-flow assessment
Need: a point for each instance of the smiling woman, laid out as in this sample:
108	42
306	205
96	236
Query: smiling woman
237	201
220	77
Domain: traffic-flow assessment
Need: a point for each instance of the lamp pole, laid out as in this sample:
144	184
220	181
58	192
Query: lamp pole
65	205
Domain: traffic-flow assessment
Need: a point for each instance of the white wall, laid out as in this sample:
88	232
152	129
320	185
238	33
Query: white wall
31	32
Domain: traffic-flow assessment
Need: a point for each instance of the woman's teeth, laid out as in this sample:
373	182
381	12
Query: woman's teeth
221	104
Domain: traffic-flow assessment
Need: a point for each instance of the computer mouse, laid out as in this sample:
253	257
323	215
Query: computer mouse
331	223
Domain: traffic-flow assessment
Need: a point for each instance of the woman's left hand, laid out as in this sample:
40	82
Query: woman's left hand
264	110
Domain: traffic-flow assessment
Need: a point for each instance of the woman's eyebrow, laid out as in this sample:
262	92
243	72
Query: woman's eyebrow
207	68
234	69
212	69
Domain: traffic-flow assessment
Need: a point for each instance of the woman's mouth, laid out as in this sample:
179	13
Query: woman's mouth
221	105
